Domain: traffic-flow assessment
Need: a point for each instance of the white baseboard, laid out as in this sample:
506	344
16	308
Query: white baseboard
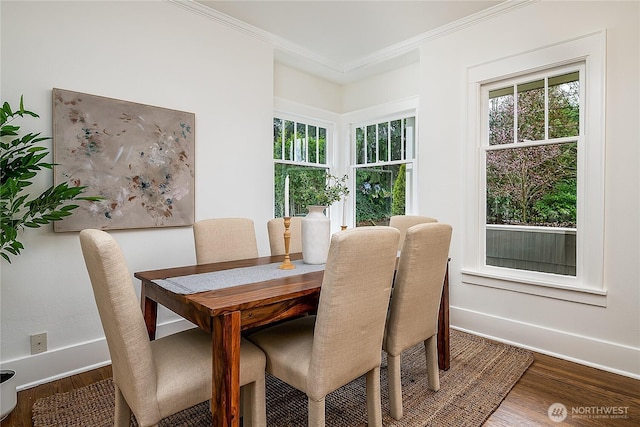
63	362
589	351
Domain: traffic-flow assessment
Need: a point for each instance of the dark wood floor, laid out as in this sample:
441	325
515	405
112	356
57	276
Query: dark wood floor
547	381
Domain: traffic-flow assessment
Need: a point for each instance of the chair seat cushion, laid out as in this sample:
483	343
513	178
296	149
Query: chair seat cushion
183	361
183	364
288	347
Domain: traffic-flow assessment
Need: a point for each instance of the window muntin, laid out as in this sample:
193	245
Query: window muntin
384	165
300	151
531	172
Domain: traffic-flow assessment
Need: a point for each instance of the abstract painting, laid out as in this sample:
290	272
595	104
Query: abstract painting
138	158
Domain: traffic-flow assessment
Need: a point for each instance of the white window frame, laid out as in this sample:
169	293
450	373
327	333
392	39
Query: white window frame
329	144
587	286
390	118
412	164
309	122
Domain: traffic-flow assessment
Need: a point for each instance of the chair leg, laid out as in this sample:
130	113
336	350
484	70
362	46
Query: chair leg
316	413
431	354
122	416
254	404
260	403
374	404
395	387
246	397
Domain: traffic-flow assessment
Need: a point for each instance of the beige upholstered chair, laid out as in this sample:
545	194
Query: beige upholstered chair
275	227
155	379
318	354
413	312
224	239
403	222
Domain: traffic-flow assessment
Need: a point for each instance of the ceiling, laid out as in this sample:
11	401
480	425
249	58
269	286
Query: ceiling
343	41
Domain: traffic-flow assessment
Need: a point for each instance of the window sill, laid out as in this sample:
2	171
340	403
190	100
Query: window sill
597	297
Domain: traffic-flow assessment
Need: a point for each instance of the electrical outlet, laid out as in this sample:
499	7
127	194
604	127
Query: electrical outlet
39	343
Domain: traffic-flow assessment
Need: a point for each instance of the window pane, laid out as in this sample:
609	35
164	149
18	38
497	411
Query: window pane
531	191
531	111
383	142
564	105
380	193
371	144
396	139
288	139
280	173
532	185
501	116
277	138
360	147
300	143
322	140
409	137
299	177
399	192
313	144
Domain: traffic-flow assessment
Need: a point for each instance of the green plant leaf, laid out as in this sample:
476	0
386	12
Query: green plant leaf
20	161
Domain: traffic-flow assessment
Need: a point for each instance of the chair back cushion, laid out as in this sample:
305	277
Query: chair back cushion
275	227
413	312
122	320
353	304
224	239
404	222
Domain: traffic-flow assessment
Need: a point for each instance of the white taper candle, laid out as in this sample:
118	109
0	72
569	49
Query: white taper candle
344	210
286	196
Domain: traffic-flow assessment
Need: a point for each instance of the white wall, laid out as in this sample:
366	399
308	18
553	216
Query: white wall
152	53
309	91
384	88
606	337
388	87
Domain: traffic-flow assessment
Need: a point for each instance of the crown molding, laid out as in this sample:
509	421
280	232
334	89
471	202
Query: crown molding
242	27
415	42
375	58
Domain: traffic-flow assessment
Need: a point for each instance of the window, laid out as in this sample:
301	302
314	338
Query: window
300	151
384	166
530	153
535	187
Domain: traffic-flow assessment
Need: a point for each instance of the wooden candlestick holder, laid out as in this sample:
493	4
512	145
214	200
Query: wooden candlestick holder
286	264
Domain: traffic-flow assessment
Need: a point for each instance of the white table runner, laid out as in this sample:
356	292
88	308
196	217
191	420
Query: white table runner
194	283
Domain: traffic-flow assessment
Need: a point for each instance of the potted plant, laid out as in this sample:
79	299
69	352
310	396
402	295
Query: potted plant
21	158
314	192
316	227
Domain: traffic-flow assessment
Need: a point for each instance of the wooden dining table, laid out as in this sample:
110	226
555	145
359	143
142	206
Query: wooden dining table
228	312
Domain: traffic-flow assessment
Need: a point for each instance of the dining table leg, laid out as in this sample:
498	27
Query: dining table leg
225	381
149	312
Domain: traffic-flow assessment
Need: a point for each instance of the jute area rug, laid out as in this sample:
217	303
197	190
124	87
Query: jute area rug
482	373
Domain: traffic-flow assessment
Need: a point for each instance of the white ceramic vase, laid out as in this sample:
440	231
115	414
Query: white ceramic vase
8	393
316	235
